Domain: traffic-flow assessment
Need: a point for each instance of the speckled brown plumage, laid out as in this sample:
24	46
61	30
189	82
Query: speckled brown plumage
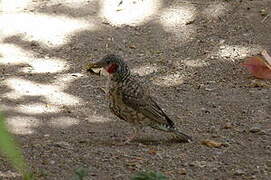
132	102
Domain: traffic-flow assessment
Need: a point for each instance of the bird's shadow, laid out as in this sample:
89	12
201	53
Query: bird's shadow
148	141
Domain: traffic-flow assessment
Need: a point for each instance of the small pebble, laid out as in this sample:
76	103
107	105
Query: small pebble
239	172
182	171
52	162
192	164
214	169
228	125
261	132
253	177
255	129
198	164
63	144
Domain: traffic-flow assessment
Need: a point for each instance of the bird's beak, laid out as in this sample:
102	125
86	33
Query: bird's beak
94	65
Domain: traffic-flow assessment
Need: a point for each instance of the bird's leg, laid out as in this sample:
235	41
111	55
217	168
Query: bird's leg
132	136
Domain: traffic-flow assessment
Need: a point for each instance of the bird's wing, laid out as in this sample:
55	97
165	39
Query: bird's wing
139	99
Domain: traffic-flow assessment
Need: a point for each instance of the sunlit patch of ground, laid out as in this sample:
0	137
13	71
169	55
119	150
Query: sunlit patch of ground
145	70
14	5
168	80
37	108
215	10
176	20
22	124
237	51
128	12
98	118
63	122
14	55
51	93
196	63
49	30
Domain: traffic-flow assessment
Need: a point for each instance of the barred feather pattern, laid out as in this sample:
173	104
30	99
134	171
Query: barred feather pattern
132	102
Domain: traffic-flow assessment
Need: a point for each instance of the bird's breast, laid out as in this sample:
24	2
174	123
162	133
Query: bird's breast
114	93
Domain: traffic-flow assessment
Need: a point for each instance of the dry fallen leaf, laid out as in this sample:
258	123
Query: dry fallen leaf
228	125
132	46
259	66
211	143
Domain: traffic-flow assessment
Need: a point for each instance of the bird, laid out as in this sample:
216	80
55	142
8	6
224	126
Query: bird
131	101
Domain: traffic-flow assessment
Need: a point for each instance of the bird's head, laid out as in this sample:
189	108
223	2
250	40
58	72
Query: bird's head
113	64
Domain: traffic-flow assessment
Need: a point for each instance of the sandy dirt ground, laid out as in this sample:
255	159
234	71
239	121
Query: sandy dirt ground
187	52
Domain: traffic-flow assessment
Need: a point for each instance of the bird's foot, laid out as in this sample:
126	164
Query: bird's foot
123	143
131	137
128	140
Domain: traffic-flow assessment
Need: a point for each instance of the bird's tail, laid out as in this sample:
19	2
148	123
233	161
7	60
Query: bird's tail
180	135
177	133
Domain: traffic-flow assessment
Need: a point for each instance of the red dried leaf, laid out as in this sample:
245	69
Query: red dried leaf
258	67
